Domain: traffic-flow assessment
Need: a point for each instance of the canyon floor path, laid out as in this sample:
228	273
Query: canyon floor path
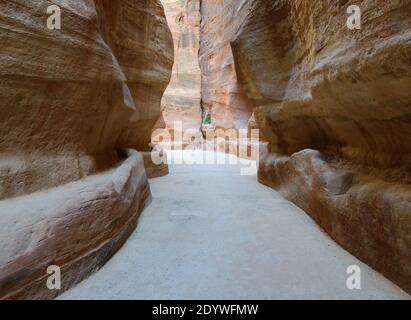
211	233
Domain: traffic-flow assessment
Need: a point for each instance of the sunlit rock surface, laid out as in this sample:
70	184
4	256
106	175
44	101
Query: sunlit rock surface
222	95
182	99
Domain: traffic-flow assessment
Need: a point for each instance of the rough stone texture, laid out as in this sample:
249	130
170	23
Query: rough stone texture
182	99
222	95
335	105
66	100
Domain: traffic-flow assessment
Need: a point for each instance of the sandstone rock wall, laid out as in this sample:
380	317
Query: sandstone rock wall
69	100
182	99
335	104
222	95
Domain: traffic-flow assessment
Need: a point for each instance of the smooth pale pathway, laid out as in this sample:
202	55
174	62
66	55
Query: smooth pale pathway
211	233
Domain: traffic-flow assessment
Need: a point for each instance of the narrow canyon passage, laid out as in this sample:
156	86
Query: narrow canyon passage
211	233
317	90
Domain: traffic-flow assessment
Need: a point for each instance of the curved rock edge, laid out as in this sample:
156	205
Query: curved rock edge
78	227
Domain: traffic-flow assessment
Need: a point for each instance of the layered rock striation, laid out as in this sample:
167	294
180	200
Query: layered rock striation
70	99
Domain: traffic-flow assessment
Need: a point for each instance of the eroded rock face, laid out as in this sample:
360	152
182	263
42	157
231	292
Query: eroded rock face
335	105
69	100
182	99
222	95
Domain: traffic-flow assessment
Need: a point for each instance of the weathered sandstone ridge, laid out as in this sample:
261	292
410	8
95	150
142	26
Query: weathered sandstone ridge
69	100
334	104
182	99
